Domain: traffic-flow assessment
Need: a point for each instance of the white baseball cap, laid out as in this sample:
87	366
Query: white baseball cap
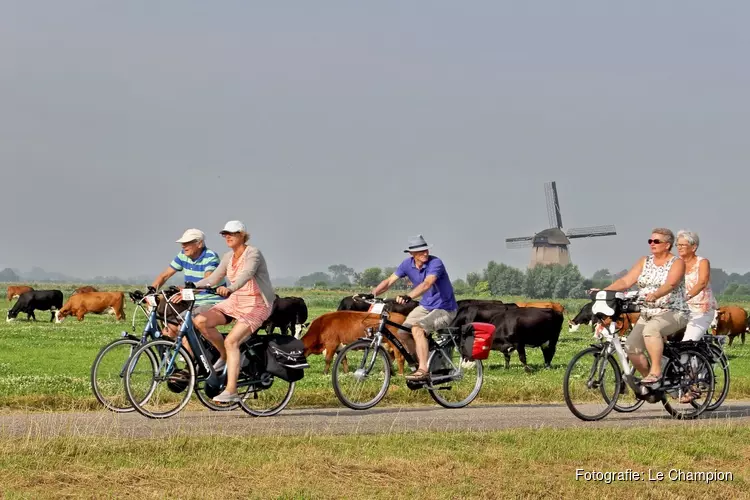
233	226
191	235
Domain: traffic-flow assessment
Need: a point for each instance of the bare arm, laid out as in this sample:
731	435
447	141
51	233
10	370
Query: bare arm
163	277
675	276
423	287
629	279
385	285
704	277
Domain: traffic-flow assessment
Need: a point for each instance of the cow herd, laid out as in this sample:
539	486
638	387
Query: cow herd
517	325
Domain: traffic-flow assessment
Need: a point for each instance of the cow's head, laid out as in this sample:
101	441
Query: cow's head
299	330
10	316
573	327
59	317
717	316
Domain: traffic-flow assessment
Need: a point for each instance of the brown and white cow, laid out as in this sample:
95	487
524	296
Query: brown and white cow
556	306
85	289
731	321
15	291
93	302
329	331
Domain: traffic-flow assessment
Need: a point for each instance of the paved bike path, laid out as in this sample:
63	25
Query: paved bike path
332	421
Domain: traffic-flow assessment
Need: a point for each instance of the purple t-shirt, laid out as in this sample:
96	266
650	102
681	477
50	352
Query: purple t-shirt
440	295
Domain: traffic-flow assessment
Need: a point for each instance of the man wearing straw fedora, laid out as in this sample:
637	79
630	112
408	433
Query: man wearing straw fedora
438	306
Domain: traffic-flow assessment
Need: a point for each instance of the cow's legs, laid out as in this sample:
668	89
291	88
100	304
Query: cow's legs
270	327
30	315
52	316
549	353
507	359
522	356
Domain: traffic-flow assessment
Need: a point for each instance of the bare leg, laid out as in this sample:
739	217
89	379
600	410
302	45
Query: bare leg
640	362
420	343
655	348
206	323
239	333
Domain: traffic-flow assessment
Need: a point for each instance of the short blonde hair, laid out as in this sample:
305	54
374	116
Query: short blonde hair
247	236
667	233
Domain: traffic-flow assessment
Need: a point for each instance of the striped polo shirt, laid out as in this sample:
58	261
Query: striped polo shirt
195	270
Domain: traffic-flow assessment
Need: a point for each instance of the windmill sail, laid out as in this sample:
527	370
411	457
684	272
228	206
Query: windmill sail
553	205
591	231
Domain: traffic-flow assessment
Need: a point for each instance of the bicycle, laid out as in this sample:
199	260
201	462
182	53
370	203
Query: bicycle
108	368
448	366
262	392
693	376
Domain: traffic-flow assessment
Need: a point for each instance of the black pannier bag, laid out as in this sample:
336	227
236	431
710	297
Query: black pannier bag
285	357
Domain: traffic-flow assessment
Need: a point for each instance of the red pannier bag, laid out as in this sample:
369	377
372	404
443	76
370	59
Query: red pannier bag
476	340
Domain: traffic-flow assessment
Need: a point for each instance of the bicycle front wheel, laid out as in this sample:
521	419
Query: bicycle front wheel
108	374
463	378
161	389
591	377
361	375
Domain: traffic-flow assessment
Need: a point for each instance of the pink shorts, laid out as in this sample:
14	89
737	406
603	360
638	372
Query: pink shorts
253	316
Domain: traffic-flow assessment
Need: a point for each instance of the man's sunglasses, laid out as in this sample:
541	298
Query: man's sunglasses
656	241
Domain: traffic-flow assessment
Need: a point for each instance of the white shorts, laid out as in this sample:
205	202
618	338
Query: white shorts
698	325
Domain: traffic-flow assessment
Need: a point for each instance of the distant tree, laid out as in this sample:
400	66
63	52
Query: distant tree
371	277
472	279
719	280
7	275
731	289
312	279
460	287
340	273
742	290
601	274
482	289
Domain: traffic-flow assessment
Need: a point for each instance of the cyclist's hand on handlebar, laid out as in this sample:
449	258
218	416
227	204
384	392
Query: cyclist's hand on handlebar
651	297
176	298
223	291
403	299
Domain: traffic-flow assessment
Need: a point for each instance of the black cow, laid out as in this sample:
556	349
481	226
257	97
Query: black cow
354	303
287	313
44	300
583	317
470	310
522	326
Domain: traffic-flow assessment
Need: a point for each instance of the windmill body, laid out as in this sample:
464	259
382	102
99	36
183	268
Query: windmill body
550	246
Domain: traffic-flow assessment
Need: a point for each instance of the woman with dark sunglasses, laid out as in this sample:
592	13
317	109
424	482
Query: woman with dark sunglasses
660	278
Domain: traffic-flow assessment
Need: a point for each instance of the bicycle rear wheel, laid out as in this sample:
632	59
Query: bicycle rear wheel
464	384
108	374
695	376
589	376
720	367
160	390
266	397
361	375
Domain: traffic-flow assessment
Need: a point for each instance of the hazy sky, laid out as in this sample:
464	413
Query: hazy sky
336	130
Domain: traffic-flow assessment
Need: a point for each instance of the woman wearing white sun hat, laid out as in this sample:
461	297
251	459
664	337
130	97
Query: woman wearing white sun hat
249	300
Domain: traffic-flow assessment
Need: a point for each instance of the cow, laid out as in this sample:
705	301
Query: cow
470	310
15	291
731	321
543	305
584	316
329	331
288	313
85	289
522	326
93	302
44	300
356	303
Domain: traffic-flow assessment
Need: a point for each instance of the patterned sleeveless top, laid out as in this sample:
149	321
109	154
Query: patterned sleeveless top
651	278
705	300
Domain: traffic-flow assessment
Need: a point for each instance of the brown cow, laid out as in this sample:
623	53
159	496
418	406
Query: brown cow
15	291
93	302
543	305
85	289
332	329
731	321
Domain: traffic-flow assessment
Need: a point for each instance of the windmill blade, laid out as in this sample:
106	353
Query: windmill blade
591	231
553	205
519	242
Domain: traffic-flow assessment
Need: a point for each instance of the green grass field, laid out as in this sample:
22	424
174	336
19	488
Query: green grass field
46	366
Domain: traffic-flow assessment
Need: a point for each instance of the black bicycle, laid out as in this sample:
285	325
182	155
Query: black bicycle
454	379
162	374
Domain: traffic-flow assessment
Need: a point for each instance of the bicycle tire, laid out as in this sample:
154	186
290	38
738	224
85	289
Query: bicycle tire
273	410
361	344
435	393
207	401
699	409
188	391
566	383
96	386
724	362
620	407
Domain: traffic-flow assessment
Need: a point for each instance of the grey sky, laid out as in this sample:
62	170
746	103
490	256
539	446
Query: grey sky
335	131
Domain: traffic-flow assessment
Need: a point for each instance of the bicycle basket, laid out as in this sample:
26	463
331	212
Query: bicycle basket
285	357
476	340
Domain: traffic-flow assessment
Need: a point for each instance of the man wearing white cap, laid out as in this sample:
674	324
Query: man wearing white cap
438	306
196	262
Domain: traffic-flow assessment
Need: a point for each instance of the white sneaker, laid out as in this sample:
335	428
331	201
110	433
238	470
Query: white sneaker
219	365
225	397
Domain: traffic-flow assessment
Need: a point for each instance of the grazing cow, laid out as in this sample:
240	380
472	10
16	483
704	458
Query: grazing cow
289	313
85	289
355	303
471	310
93	302
331	330
543	305
44	300
584	316
731	321
517	328
15	291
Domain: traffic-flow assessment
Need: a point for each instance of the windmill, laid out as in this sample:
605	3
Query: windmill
551	245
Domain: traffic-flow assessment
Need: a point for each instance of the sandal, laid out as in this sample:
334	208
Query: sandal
688	397
652	379
418	375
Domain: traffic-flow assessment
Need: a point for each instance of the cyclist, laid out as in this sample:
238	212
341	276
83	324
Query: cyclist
438	306
251	297
196	262
660	277
699	295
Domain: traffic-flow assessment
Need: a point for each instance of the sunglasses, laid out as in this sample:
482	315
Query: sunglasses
656	241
